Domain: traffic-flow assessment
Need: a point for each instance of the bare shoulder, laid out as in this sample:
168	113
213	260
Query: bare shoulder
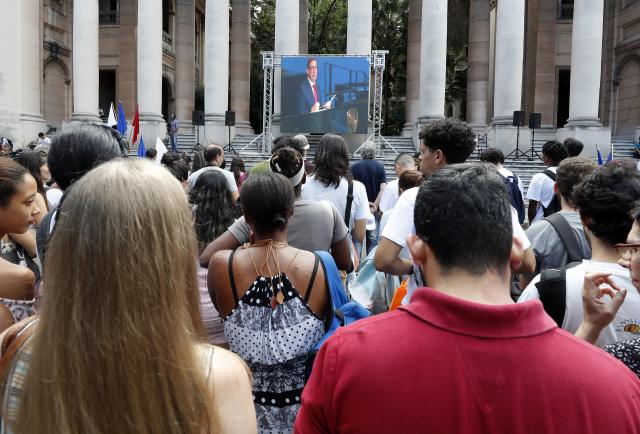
229	370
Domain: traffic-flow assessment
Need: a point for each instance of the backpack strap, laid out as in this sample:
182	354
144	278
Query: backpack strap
568	237
312	279
347	209
550	174
14	338
552	288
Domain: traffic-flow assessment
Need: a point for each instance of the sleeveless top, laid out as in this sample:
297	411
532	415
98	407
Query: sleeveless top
274	339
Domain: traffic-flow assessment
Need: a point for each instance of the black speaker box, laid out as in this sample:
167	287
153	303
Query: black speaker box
229	118
197	117
534	120
518	118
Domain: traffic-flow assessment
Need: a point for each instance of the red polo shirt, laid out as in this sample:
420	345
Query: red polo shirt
446	365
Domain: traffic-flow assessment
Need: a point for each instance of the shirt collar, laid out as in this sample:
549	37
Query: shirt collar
477	319
311	82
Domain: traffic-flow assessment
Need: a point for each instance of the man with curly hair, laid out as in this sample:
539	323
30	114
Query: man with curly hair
604	200
442	142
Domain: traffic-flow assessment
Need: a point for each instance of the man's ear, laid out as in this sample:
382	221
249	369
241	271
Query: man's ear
440	159
517	253
555	188
417	247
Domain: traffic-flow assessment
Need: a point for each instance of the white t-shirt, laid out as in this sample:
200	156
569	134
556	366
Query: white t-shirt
541	190
231	181
316	190
625	325
400	224
53	197
389	196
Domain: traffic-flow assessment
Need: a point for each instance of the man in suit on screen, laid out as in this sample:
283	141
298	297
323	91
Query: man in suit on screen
309	90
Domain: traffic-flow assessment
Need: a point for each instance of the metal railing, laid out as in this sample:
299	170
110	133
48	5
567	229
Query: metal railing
109	17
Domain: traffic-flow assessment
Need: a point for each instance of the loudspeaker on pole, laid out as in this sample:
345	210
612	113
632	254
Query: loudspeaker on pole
518	118
229	118
535	119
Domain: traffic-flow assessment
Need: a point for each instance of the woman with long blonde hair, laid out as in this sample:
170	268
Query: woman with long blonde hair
118	344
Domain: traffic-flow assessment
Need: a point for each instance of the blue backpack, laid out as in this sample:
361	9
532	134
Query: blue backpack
515	196
345	311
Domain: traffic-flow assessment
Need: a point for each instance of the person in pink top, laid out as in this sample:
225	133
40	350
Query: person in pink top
462	357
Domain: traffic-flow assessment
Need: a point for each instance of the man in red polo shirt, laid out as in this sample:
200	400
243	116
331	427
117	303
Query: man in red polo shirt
462	357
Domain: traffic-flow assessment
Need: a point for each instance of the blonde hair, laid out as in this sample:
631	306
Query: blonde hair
116	347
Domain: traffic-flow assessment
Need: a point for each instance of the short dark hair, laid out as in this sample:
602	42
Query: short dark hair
554	151
605	199
211	152
453	137
311	59
77	150
175	164
570	173
288	162
462	212
11	175
151	153
267	200
492	155
332	160
574	146
41	134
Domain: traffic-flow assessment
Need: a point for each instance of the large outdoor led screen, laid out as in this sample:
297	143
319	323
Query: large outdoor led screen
321	94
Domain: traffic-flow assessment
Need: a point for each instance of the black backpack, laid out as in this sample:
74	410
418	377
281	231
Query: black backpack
515	195
554	205
552	286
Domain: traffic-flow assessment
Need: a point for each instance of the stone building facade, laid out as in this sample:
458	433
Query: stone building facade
38	91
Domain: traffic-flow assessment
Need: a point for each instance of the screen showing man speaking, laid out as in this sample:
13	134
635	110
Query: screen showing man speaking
321	94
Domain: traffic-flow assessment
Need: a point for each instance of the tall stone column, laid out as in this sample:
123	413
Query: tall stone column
185	76
31	120
216	70
509	57
152	124
413	69
10	47
478	72
433	60
359	23
586	56
304	27
85	61
508	76
240	63
287	41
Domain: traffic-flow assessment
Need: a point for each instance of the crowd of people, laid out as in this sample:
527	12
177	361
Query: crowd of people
168	294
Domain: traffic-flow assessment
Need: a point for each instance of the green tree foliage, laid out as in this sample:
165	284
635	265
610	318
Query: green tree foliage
328	35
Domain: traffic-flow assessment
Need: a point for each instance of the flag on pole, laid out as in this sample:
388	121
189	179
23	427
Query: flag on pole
610	157
112	117
599	156
122	120
142	151
161	148
136	126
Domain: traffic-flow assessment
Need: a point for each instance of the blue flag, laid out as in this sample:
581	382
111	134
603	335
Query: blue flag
610	157
141	149
122	120
599	156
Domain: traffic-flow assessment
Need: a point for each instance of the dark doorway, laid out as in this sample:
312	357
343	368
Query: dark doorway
166	98
564	86
107	92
